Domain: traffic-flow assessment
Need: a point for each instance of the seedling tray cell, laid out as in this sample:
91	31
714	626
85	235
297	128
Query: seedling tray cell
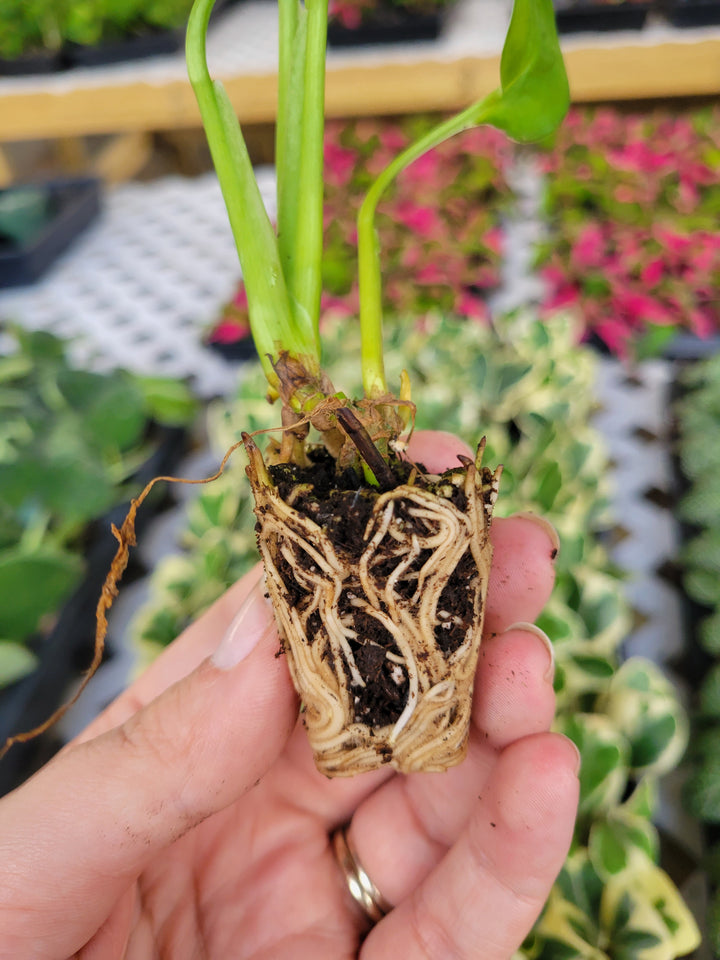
121	50
41	62
693	13
74	205
576	18
387	26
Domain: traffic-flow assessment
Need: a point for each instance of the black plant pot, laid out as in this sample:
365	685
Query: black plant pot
693	13
240	349
36	62
688	346
577	17
66	652
72	206
151	44
387	25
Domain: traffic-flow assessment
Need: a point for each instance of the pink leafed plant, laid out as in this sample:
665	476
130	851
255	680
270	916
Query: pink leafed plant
439	226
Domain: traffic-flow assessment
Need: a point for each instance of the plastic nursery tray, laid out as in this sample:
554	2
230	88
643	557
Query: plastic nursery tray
387	26
150	43
74	203
42	62
692	13
65	653
578	17
143	45
237	350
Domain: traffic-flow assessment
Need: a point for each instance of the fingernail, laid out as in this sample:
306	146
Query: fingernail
549	674
251	622
578	755
544	525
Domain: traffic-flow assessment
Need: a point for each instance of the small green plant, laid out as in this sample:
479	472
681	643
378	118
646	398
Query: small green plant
90	22
336	516
29	26
70	441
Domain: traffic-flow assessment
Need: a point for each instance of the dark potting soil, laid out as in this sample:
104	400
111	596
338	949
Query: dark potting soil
342	505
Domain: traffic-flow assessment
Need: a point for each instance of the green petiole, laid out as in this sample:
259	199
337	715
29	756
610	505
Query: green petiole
531	101
275	325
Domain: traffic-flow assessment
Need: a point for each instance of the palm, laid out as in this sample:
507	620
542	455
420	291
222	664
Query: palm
259	877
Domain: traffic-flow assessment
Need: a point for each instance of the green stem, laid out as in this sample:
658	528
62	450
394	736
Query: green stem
274	325
369	273
299	154
288	128
307	286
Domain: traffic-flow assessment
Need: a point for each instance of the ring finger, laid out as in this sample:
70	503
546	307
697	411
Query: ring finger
402	830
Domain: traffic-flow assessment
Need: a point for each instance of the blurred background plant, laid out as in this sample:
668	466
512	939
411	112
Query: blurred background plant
30	26
698	415
632	203
70	443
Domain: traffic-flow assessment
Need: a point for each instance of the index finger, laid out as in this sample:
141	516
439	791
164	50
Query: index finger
181	657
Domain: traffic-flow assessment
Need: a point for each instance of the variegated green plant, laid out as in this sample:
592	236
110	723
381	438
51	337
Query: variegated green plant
698	414
531	387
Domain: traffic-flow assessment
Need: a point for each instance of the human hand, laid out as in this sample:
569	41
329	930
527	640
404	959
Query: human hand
189	819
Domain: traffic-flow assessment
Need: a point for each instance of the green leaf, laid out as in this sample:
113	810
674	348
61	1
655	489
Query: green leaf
710	634
710	693
33	585
116	417
598	762
75	490
168	401
550	482
534	95
40	346
607	849
654	737
16	661
596	666
702	791
511	373
654	341
14	367
599	612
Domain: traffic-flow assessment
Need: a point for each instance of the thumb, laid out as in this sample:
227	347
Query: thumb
85	826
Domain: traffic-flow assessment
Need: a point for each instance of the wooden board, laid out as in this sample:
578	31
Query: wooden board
607	71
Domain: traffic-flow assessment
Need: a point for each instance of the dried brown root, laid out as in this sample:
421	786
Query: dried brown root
125	536
383	626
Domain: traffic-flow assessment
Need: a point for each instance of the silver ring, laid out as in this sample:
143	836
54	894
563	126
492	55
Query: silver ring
362	889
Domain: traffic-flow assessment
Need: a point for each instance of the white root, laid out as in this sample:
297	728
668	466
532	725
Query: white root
421	538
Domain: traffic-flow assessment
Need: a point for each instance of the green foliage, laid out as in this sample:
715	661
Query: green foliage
534	94
69	441
32	584
632	912
698	415
27	26
90	22
30	25
16	661
507	382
